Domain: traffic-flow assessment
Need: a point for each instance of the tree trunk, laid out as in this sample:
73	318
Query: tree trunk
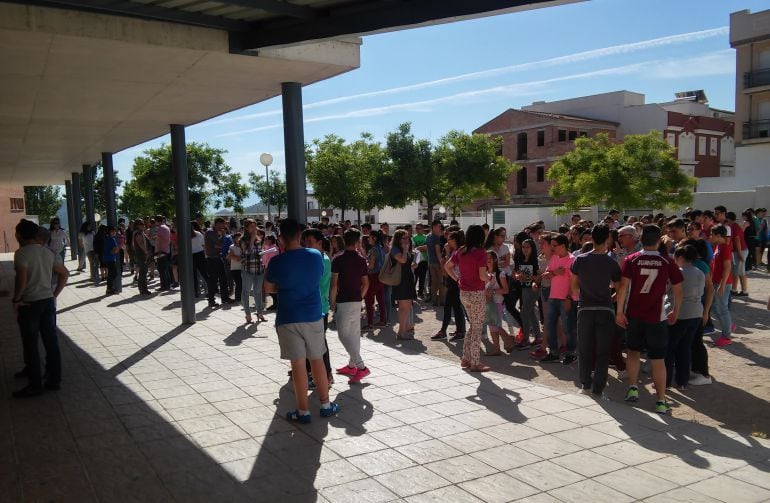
359	217
343	215
430	212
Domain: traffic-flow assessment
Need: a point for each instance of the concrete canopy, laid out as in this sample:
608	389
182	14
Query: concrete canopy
75	84
82	77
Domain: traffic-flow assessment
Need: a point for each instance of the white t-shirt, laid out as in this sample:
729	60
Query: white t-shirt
88	241
503	251
235	265
197	242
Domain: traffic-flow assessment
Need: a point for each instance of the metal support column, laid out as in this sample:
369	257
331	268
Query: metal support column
77	209
88	185
73	231
294	146
109	189
183	230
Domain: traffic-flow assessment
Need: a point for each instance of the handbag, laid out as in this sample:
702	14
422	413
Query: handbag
390	274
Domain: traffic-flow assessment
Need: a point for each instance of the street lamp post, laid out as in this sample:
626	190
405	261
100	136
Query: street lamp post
266	160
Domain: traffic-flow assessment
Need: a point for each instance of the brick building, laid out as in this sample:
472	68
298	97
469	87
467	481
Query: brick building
12	209
534	140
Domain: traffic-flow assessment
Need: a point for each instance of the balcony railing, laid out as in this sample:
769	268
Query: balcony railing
756	78
756	129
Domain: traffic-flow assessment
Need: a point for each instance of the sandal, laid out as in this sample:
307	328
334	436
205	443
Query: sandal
249	321
464	363
295	417
261	318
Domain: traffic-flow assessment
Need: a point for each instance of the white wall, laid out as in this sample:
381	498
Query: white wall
752	169
518	217
395	216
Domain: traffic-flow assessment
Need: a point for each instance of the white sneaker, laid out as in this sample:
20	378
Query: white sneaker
699	380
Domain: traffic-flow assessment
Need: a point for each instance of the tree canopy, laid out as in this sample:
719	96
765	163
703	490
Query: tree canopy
343	174
461	167
43	201
640	172
212	183
273	193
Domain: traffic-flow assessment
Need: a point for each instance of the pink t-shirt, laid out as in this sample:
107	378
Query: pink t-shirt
560	283
469	265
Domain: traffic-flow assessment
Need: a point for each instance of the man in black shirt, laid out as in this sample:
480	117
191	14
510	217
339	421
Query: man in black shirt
592	275
215	266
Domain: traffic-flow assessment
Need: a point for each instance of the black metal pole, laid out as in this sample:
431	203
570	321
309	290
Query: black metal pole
183	228
77	209
71	220
88	184
109	188
294	146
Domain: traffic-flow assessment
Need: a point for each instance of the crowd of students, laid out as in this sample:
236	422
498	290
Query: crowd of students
586	292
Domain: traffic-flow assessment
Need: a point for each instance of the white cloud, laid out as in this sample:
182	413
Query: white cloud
577	57
714	63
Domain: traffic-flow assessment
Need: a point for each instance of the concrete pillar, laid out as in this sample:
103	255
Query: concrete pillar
109	189
77	210
73	231
183	227
88	187
294	147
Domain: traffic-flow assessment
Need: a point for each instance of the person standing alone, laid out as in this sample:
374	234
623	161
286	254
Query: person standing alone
33	304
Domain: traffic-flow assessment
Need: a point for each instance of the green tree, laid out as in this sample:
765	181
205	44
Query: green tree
211	182
461	167
640	172
330	170
43	201
273	193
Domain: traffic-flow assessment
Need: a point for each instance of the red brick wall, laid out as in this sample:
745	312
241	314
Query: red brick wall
8	218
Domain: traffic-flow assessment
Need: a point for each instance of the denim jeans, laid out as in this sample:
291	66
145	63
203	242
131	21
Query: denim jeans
529	312
252	285
720	310
556	310
38	318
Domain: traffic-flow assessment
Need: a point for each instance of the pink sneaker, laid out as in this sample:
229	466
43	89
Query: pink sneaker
733	327
722	342
347	371
360	374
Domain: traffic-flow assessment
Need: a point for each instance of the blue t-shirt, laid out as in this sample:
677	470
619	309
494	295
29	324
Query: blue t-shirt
432	241
110	242
297	274
227	241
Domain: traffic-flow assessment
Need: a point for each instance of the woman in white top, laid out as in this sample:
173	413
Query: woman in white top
85	245
234	254
199	258
59	240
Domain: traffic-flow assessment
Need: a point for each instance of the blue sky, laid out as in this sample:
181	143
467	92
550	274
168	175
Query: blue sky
460	75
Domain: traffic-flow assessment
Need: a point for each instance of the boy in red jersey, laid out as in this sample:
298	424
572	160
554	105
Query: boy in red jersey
645	277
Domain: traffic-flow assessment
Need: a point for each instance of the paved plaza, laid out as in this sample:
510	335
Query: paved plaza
153	411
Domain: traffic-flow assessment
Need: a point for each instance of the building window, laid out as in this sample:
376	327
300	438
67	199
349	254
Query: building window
572	135
541	138
562	135
310	205
671	139
498	217
713	149
521	146
523	178
701	145
17	205
583	134
541	173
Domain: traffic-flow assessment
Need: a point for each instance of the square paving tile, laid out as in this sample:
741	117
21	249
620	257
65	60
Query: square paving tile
384	461
547	446
472	441
400	435
676	470
368	490
587	463
352	446
758	474
340	471
499	488
428	451
681	495
461	469
411	481
545	475
589	490
506	457
728	489
636	483
446	494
